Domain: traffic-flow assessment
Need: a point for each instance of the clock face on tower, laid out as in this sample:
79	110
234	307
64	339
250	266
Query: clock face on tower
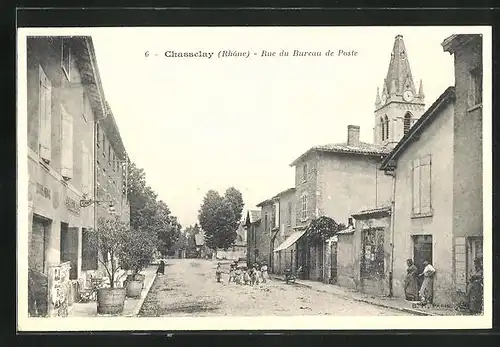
408	95
384	98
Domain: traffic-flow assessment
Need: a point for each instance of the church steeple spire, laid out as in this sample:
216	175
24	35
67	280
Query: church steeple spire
421	94
399	77
377	98
400	105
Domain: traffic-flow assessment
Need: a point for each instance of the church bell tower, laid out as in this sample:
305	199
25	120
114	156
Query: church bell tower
399	105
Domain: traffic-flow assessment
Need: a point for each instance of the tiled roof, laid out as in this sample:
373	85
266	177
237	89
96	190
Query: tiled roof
362	148
265	202
287	191
380	211
348	230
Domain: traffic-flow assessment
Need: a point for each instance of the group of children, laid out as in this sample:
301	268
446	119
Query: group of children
244	275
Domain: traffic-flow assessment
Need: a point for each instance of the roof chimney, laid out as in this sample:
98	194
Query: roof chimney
353	135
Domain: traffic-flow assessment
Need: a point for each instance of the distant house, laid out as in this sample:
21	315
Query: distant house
253	226
202	251
238	249
284	247
199	239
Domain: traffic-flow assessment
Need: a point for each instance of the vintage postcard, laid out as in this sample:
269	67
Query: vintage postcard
254	178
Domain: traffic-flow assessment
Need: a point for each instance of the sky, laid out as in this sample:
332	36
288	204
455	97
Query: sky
195	124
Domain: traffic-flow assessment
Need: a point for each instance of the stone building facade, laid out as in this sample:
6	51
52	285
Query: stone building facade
284	251
335	180
437	170
65	104
253	227
64	98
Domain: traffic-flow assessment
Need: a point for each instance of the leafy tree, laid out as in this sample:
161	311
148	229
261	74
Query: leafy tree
220	216
323	228
235	200
109	239
138	250
149	214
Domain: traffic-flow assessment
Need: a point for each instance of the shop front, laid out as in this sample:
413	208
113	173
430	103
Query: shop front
55	239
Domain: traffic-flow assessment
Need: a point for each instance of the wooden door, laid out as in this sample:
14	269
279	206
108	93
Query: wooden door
422	250
69	248
333	262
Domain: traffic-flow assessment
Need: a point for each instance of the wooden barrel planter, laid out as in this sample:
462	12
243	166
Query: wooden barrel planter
134	289
136	277
110	300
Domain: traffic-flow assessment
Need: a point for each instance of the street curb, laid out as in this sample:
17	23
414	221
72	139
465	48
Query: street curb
366	301
144	293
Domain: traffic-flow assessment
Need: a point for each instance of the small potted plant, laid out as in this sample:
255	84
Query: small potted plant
108	239
137	253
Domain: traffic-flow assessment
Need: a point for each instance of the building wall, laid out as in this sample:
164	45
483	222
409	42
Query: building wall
467	163
308	187
50	195
283	259
109	176
353	176
395	112
234	253
437	140
265	235
378	284
348	249
259	240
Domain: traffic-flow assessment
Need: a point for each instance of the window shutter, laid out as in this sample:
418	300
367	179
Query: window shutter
85	168
45	102
425	190
470	92
67	144
416	186
277	215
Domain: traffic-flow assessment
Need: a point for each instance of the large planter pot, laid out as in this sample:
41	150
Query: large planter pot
110	300
134	289
135	277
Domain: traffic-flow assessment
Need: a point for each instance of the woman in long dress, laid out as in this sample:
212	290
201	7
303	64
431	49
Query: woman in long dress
411	285
475	289
426	290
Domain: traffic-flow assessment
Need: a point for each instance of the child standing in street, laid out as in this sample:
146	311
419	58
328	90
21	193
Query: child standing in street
264	274
231	273
237	276
218	272
246	276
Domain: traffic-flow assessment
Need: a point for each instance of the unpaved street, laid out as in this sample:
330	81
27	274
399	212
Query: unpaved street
189	288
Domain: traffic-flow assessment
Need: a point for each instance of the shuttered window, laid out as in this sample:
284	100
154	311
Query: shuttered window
85	169
475	93
45	116
386	120
304	207
289	219
421	182
407	123
66	144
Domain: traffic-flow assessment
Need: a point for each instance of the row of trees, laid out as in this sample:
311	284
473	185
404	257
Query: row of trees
149	214
131	245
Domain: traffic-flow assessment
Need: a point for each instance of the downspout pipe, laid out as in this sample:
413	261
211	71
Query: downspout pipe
393	206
